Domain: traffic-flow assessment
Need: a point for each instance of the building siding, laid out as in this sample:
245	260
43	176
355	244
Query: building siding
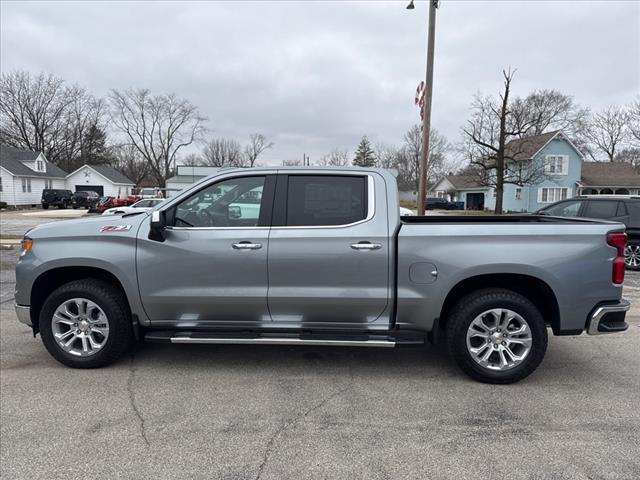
88	176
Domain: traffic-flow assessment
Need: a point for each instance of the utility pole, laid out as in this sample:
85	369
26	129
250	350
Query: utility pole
426	119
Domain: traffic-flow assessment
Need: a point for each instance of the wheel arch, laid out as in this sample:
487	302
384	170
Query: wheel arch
533	288
48	281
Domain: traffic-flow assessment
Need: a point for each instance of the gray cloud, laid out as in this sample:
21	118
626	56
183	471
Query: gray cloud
317	75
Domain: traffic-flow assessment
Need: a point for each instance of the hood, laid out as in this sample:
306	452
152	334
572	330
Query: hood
113	225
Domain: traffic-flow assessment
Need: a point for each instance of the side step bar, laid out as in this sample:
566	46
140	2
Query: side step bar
287	341
255	338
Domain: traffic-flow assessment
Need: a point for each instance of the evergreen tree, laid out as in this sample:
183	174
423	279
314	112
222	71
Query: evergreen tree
365	156
93	148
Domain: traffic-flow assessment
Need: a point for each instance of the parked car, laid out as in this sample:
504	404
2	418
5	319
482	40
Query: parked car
140	206
86	200
406	212
620	208
324	259
56	198
436	203
105	203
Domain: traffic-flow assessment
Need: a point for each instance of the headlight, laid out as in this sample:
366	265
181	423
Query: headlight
27	244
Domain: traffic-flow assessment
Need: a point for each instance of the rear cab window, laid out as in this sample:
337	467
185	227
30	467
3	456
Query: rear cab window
325	200
601	209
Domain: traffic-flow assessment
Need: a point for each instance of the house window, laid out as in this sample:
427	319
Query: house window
518	193
0	184
556	165
40	166
48	184
29	185
552	194
24	185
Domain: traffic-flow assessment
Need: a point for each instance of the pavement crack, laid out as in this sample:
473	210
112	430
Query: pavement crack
132	401
271	443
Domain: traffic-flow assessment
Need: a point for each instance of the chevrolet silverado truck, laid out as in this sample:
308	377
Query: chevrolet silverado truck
319	257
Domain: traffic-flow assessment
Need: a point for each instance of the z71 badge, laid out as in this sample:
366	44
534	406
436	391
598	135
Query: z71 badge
115	228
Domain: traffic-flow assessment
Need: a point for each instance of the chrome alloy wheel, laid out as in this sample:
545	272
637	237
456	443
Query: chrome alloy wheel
80	327
632	255
499	339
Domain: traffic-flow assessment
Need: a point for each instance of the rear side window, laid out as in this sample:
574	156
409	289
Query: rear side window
315	200
602	209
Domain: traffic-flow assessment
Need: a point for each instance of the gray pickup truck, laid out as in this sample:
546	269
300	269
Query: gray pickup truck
319	257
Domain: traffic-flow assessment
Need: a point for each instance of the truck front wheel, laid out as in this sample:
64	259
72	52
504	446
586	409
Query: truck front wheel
496	336
86	324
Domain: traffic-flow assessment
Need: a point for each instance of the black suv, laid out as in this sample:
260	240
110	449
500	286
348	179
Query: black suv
620	208
435	203
87	199
56	198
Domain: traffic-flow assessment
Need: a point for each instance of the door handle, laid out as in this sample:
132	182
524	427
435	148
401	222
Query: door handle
246	246
366	246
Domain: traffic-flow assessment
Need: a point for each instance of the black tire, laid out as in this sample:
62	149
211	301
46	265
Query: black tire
45	206
472	305
115	307
635	244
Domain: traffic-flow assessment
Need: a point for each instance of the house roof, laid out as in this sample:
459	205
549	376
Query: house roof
11	159
462	182
608	174
108	172
526	148
112	174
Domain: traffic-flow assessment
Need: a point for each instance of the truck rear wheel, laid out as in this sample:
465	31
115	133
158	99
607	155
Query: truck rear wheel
496	336
86	324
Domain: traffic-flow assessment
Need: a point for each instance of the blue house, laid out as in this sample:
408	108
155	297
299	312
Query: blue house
557	171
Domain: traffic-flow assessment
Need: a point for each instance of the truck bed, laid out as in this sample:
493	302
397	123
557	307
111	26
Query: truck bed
481	219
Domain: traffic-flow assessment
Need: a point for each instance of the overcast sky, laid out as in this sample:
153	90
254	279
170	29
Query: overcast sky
314	75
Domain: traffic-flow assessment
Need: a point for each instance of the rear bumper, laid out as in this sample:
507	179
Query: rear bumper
24	314
608	318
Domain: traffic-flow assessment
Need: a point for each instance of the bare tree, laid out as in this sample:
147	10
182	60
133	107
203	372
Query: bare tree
408	162
258	143
608	130
634	119
544	110
43	114
193	160
158	126
223	152
128	160
335	158
629	155
496	141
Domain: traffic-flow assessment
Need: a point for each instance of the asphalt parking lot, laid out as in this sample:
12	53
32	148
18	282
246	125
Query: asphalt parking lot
239	412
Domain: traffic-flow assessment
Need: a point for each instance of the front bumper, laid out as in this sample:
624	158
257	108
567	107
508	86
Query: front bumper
24	314
608	318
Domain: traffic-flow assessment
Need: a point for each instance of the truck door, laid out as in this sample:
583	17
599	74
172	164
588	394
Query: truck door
329	250
211	268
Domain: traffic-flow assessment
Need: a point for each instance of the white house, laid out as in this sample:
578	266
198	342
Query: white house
186	176
24	174
102	179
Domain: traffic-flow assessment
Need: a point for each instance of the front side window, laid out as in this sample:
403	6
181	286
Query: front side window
564	209
315	200
236	202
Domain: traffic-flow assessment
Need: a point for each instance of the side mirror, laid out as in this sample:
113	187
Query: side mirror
157	225
234	212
